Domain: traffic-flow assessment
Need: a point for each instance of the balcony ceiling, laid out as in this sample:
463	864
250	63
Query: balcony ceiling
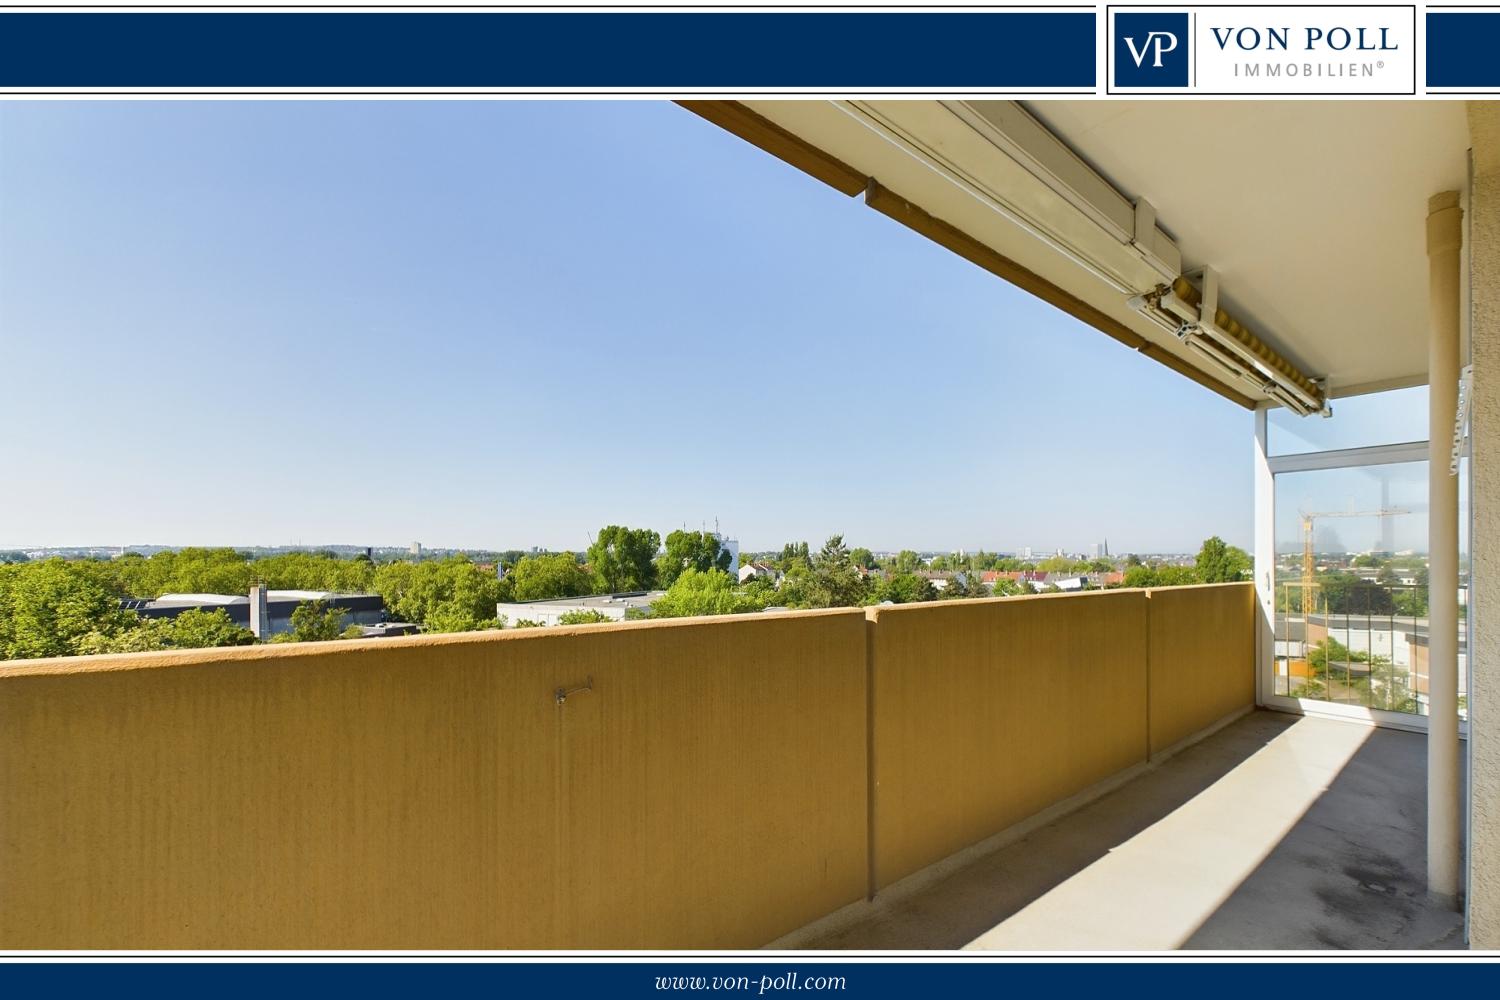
1312	212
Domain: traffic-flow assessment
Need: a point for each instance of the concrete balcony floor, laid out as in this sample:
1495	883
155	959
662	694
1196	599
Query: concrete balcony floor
1277	832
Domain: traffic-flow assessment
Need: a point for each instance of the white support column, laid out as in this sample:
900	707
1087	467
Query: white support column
1265	560
1444	847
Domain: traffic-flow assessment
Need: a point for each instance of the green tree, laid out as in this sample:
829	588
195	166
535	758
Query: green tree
762	591
200	629
1160	576
1176	576
699	592
1345	593
583	616
863	558
1219	562
314	621
1411	601
48	608
964	585
540	577
204	571
1010	588
1311	687
315	571
1330	650
622	558
1390	687
686	550
192	629
794	555
442	595
833	582
908	561
904	588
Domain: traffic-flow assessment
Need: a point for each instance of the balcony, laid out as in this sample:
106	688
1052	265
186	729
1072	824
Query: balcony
1276	832
1009	773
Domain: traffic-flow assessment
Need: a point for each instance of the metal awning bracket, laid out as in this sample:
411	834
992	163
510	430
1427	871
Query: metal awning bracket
1145	240
1208	311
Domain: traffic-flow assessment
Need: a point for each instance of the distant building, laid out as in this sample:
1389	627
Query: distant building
1032	576
358	609
758	571
547	612
415	550
732	546
386	630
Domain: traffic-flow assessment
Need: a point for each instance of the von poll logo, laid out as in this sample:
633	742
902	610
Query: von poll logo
1262	50
1151	50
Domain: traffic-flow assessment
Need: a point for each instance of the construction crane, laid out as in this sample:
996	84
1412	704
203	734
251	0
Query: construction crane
1309	571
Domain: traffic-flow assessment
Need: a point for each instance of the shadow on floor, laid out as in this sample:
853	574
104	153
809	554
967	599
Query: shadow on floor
953	911
1316	843
1351	874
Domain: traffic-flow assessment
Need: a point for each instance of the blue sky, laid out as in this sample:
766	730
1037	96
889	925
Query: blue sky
505	324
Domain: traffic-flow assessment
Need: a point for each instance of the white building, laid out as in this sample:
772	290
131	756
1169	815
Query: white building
732	546
615	607
757	571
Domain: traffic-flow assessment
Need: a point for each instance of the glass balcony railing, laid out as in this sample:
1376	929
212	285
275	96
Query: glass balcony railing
1361	644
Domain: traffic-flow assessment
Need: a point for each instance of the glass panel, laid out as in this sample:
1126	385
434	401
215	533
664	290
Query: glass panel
1393	417
1351	586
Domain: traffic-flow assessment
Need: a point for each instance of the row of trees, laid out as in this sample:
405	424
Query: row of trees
837	576
58	607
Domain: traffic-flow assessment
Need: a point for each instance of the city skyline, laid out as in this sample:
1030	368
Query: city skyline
387	320
1018	551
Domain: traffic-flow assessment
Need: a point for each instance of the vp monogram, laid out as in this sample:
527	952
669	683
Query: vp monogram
1158	44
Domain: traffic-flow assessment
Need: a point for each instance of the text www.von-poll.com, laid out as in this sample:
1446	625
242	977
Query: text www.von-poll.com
760	985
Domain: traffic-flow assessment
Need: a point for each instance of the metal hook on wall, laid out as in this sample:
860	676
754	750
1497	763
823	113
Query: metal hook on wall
561	694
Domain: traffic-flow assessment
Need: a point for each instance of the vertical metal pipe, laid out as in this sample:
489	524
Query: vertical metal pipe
1444	849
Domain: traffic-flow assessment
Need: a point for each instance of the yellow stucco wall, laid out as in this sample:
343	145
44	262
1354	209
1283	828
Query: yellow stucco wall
712	789
1484	649
431	793
988	711
1202	642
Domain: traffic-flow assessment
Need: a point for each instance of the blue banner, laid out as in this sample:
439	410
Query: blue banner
1461	47
636	51
742	979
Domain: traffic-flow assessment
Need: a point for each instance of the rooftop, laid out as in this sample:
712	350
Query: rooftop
198	600
631	599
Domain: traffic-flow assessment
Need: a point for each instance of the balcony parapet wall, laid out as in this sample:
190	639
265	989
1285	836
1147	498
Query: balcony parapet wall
693	783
